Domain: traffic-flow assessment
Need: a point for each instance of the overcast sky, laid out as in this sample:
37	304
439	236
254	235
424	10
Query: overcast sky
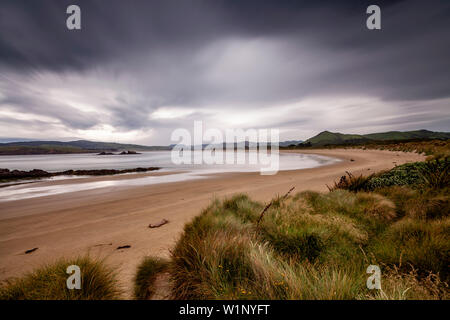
140	69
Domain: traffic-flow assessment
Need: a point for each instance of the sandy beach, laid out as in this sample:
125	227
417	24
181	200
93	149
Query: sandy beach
99	220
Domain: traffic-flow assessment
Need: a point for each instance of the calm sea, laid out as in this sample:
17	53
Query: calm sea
52	163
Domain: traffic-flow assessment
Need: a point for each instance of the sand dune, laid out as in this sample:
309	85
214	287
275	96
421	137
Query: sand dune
99	220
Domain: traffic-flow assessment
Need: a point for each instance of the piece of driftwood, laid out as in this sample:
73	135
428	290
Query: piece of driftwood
124	247
159	224
31	250
261	215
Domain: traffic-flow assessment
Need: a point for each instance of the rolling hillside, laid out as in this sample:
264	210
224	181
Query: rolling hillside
330	138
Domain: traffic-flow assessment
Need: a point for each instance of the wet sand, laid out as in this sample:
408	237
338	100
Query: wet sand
97	221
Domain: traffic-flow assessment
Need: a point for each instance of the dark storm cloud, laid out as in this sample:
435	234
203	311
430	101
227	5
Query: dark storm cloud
224	54
34	33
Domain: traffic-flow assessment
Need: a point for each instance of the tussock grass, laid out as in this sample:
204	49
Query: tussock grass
309	246
352	183
317	246
146	275
408	285
98	282
426	246
435	174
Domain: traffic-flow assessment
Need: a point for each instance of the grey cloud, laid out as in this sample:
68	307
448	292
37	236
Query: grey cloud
30	102
227	54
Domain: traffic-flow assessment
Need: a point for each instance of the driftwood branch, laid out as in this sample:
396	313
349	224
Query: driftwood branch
159	224
261	215
31	250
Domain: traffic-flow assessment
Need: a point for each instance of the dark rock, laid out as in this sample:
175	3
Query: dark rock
129	152
18	174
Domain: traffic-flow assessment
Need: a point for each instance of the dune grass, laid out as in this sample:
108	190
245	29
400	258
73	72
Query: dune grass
408	284
312	246
145	277
415	243
434	149
98	282
428	176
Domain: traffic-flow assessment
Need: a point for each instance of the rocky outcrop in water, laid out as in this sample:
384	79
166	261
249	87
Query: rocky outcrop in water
6	174
18	174
104	153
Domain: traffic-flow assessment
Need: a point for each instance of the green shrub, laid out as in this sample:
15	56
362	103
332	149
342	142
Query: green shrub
404	175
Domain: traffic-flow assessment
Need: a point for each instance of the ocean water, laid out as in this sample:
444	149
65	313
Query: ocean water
162	159
61	162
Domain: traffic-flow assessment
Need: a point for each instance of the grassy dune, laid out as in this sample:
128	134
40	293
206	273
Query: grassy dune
310	246
98	282
435	149
318	246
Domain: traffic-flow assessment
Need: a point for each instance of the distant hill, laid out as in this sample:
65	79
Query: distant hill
330	138
84	146
79	146
290	143
322	139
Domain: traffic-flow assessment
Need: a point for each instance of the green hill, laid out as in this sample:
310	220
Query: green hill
329	138
398	135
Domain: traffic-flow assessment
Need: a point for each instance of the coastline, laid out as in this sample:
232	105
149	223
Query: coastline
89	221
